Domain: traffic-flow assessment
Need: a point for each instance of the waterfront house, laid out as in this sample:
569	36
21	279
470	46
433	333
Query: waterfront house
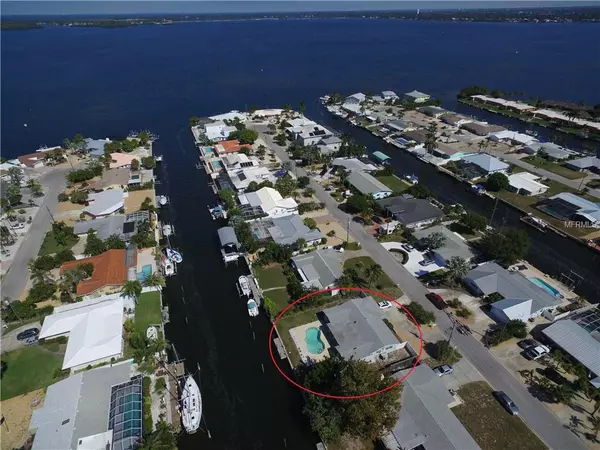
568	206
329	145
241	178
124	226
398	125
228	146
231	115
232	161
512	137
523	298
319	269
230	246
484	165
218	131
33	160
579	335
432	111
591	163
300	122
356	330
417	136
508	104
312	135
286	231
95	147
100	408
454	245
416	97
94	329
355	99
389	95
548	150
426	420
270	202
352	108
456	120
353	165
368	185
411	212
111	269
448	152
482	129
104	203
526	183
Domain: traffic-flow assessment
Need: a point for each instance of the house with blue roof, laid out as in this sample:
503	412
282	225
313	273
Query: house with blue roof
95	147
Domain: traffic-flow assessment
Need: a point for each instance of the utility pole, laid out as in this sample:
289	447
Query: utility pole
494	211
348	231
454	321
49	212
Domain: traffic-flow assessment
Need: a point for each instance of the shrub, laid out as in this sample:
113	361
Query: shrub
310	223
454	303
62	197
421	315
160	385
464	312
41	292
331	233
445	353
22	211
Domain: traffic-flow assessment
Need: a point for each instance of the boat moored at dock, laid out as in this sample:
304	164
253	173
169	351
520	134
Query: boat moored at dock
252	308
244	286
174	255
191	405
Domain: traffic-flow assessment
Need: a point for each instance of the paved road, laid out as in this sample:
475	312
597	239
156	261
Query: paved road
10	341
15	279
534	413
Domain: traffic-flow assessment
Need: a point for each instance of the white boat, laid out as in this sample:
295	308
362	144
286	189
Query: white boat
168	267
244	285
162	200
252	308
174	256
158	158
152	333
413	179
167	230
191	405
218	212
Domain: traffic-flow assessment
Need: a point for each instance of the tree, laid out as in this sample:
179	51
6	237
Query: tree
144	138
302	107
420	191
227	197
94	245
164	437
285	186
430	138
114	242
457	267
79	196
350	278
38	275
497	182
563	393
16	175
360	203
148	162
131	289
434	240
310	223
421	315
373	272
154	280
445	353
135	165
508	245
69	281
270	307
13	194
473	222
194	121
303	182
35	187
245	136
367	418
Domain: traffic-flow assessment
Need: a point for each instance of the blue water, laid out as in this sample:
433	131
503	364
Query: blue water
145	273
208	150
545	286
313	341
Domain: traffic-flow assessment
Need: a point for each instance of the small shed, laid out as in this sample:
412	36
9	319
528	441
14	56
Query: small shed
381	157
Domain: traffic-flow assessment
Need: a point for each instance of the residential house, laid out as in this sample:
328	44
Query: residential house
95	409
353	108
481	128
353	165
95	147
319	269
230	246
512	137
121	160
549	150
449	152
111	269
241	178
591	163
579	335
567	206
356	330
389	95
526	183
218	131
417	136
456	120
286	231
33	160
270	202
368	185
426	420
124	226
398	125
300	122
94	329
454	245
484	164
523	299
329	145
416	97
104	203
355	99
228	146
309	134
432	111
231	115
411	212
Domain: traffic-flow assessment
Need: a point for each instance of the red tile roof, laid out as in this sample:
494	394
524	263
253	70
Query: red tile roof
231	146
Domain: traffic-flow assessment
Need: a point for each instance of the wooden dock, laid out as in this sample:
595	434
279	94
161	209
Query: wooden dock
280	348
177	370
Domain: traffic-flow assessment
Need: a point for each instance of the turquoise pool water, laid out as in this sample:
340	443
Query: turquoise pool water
145	273
545	286
314	344
208	151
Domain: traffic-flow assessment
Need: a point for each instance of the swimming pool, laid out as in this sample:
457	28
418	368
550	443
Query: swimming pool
545	286
145	273
314	344
208	151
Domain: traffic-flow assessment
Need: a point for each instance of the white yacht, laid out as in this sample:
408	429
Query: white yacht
168	267
162	200
191	405
158	158
174	256
252	308
244	286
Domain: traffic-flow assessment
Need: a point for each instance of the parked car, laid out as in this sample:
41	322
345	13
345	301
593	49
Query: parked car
437	300
407	247
426	262
443	370
537	352
30	332
377	219
30	340
508	404
384	305
526	343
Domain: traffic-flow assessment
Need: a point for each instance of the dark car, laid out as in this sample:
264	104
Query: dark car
527	343
29	333
377	219
508	404
437	300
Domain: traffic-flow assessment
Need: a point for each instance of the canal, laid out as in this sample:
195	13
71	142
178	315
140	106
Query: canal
247	404
562	258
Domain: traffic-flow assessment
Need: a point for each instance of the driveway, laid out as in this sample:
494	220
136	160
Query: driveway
535	414
9	340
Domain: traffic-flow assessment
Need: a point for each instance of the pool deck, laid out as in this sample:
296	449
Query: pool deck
298	335
532	272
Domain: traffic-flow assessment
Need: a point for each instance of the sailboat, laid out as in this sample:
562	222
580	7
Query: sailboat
191	405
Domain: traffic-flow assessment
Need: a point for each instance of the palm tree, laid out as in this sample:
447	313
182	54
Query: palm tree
373	272
35	187
163	437
154	280
457	267
70	280
131	289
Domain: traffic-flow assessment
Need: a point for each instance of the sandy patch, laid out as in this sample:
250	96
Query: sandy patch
17	412
134	200
68	207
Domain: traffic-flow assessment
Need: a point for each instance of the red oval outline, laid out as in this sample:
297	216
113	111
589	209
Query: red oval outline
344	397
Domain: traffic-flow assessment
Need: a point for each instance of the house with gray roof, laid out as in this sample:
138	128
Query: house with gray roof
95	147
356	330
398	125
411	212
286	231
124	226
482	129
369	185
454	245
568	206
319	269
355	99
484	164
548	149
523	298
329	144
416	97
86	411
588	163
389	95
426	420
353	165
432	111
104	203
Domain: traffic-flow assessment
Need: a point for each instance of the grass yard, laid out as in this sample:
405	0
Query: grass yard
492	427
29	368
553	167
50	245
280	297
270	277
147	311
383	283
289	321
394	183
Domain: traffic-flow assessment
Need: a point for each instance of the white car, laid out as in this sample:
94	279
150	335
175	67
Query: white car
443	370
537	352
407	247
384	305
18	226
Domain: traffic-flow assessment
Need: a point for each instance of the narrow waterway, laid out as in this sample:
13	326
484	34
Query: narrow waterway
559	257
247	404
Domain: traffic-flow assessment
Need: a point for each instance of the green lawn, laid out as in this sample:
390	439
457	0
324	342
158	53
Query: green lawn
492	427
383	283
553	167
50	245
270	277
147	311
286	323
394	183
28	369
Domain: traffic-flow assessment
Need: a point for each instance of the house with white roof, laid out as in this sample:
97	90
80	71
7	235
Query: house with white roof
231	115
416	97
218	131
456	120
270	202
353	165
369	185
548	149
389	95
241	178
355	99
104	203
485	164
568	206
526	183
512	137
300	122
